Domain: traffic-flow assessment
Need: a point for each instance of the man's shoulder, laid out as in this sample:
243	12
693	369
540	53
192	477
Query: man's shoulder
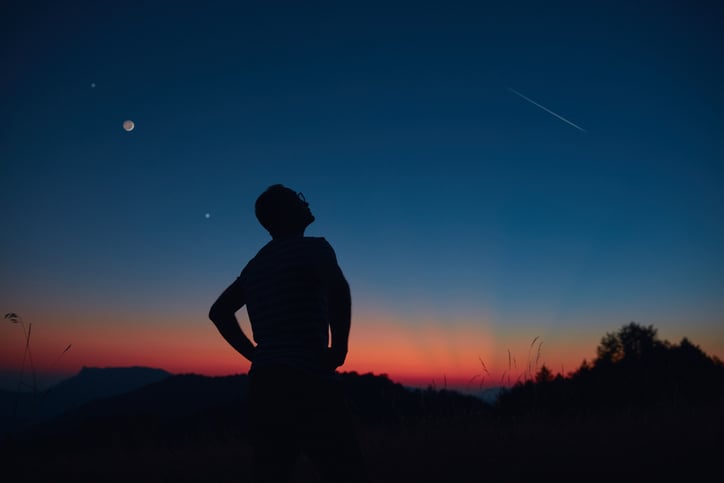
309	245
319	240
320	244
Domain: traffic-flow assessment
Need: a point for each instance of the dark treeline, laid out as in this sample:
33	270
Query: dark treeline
634	371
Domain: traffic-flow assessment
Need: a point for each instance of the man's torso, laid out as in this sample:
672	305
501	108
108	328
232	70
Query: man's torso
286	298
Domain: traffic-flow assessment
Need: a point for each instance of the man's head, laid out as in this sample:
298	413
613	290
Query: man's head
283	211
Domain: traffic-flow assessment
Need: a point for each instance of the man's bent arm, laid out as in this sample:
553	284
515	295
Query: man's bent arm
340	316
223	315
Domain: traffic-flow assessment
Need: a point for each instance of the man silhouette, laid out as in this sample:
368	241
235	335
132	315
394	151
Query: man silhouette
296	296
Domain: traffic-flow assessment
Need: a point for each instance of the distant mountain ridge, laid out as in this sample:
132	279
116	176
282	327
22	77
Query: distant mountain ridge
97	382
169	409
22	410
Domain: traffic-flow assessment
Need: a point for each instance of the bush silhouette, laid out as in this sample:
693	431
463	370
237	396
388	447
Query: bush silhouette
631	342
634	371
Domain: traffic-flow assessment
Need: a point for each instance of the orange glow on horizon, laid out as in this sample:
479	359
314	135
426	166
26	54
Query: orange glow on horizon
410	351
420	354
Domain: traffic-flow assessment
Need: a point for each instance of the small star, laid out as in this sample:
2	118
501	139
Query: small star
93	85
207	215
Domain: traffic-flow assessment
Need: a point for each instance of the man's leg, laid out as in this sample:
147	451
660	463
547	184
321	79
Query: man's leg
338	458
273	439
273	459
329	436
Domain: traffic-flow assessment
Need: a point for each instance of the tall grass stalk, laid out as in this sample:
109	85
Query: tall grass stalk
511	373
28	358
27	354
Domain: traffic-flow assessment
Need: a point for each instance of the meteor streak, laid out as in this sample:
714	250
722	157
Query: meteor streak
546	109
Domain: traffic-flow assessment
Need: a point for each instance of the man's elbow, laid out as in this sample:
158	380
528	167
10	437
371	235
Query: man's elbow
340	289
217	313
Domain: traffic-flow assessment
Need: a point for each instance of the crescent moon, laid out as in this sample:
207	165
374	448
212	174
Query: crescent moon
129	125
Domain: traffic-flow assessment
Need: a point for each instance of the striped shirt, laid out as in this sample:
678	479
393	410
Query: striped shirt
285	287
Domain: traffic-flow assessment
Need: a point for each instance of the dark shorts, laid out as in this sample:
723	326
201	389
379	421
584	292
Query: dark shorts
292	412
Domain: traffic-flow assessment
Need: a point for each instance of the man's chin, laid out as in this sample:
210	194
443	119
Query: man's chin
308	220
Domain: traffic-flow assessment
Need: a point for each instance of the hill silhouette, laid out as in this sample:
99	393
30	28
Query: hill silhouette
176	408
25	409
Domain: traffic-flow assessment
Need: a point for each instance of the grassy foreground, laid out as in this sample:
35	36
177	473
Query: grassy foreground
634	447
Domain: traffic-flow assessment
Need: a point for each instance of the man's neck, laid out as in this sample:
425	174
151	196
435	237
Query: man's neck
295	234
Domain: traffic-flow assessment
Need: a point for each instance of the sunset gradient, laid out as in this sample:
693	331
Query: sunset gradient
469	221
474	355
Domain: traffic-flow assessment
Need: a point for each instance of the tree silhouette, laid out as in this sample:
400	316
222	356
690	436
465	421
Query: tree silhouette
544	375
631	342
635	371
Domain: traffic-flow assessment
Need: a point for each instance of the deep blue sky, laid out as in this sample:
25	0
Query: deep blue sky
446	196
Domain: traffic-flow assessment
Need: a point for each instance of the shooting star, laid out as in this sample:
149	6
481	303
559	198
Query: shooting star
546	109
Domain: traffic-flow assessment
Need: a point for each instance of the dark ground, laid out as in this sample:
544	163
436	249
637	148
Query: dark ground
661	444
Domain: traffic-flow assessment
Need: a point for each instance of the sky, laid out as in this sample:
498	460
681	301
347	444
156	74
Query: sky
503	183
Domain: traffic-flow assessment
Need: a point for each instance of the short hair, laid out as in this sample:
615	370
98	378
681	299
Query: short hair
271	207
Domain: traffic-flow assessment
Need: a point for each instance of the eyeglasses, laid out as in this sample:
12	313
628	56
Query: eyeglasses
301	197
